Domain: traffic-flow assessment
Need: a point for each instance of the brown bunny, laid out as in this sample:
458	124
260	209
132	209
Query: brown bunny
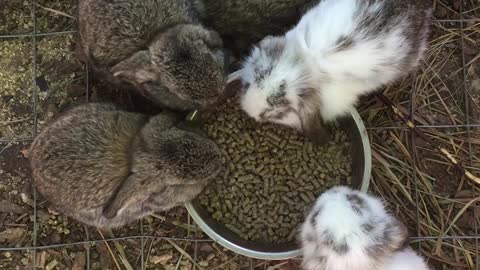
106	167
156	45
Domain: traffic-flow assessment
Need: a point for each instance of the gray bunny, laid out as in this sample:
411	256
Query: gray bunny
248	21
158	46
107	167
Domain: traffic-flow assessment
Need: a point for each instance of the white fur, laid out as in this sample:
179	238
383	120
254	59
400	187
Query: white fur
254	101
351	72
333	217
406	260
338	217
310	59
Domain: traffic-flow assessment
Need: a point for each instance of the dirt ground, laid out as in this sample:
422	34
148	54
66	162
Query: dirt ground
419	185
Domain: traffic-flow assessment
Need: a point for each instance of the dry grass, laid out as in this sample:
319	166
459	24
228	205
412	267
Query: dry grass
421	185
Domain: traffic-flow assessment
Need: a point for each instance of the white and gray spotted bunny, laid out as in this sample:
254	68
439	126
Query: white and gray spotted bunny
339	51
350	230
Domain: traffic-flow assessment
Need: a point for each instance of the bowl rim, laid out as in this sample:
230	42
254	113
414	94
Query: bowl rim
215	236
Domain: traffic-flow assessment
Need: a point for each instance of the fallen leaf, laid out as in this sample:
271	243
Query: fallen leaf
161	259
12	235
26	193
25	152
206	248
203	264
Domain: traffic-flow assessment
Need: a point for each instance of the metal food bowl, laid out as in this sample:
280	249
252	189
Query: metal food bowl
361	168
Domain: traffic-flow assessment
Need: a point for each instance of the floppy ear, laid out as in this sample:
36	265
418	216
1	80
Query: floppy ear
137	68
127	196
399	235
234	81
234	76
311	119
314	128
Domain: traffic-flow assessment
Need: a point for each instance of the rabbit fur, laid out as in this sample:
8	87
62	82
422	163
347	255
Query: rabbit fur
158	46
248	21
349	230
406	260
106	167
338	51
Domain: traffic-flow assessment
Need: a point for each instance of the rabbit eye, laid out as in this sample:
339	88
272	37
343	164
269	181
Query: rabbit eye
282	87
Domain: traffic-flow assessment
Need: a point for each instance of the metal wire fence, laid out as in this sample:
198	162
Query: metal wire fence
468	126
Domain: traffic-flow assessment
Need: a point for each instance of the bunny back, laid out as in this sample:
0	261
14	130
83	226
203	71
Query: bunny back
112	30
347	229
356	46
406	260
79	160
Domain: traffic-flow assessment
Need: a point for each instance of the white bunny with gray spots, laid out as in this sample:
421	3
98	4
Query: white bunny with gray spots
340	50
350	230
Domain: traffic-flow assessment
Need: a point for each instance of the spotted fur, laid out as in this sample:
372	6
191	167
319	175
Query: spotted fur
350	230
340	50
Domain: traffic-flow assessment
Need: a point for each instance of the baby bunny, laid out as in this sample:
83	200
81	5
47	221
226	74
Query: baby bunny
349	230
106	167
252	20
158	46
340	50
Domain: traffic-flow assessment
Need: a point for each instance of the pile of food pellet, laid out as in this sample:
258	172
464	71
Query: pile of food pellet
272	175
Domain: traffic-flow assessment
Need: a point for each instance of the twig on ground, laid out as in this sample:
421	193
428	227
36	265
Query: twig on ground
58	12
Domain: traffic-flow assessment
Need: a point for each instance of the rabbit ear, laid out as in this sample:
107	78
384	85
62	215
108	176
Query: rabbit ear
234	76
399	235
235	81
136	68
127	196
314	128
311	119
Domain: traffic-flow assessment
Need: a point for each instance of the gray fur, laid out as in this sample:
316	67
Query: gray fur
313	58
248	21
158	46
347	229
106	167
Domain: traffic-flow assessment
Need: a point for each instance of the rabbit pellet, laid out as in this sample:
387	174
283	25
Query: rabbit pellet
272	175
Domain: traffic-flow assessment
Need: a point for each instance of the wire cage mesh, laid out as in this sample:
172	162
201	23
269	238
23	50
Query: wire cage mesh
38	69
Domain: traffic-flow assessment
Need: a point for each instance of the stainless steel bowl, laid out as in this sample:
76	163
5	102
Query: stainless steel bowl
361	168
